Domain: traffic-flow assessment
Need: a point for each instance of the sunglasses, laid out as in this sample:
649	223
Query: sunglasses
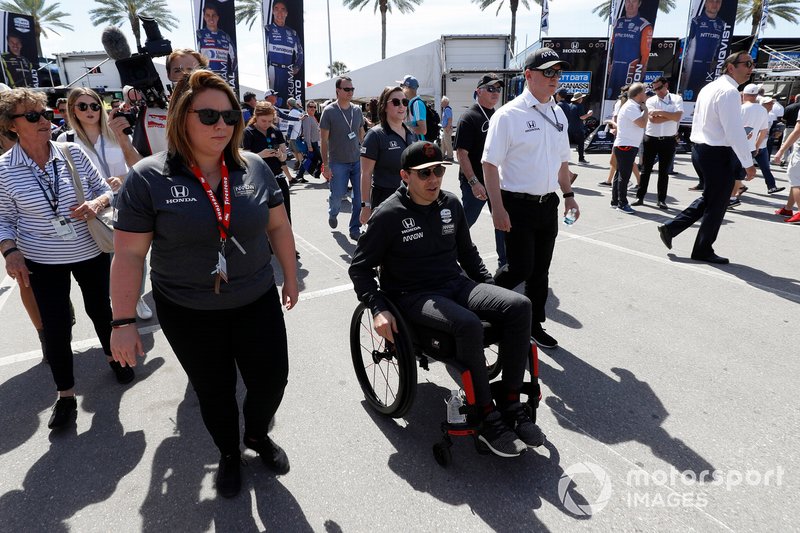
425	173
348	89
748	63
83	106
35	116
551	72
210	117
397	102
493	89
658	88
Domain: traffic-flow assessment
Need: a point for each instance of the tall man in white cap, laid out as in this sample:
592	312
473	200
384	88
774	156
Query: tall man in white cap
718	136
525	162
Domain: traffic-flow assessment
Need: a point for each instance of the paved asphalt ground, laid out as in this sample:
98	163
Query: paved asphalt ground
668	406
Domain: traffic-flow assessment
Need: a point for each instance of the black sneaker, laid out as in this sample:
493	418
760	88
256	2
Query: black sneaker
517	419
271	454
542	339
733	203
604	184
124	374
65	409
229	475
775	190
498	436
333	222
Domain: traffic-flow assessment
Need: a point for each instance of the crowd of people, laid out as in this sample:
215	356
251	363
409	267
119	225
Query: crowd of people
212	207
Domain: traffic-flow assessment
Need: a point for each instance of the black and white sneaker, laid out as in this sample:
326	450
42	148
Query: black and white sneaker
498	437
541	338
516	417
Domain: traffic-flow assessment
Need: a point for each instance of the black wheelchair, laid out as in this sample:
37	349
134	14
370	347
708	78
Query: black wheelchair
387	372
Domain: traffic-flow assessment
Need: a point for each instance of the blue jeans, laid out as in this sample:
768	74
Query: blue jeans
472	210
762	160
344	173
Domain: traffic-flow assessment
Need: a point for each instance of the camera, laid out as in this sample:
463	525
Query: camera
138	70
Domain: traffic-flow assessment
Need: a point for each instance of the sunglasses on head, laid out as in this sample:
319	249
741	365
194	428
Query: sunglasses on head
551	72
426	173
397	102
348	89
34	116
83	106
493	89
209	117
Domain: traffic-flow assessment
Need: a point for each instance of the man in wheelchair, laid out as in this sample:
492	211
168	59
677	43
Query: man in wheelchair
430	268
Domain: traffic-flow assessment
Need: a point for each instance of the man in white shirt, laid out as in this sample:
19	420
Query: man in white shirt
664	115
630	129
525	162
717	136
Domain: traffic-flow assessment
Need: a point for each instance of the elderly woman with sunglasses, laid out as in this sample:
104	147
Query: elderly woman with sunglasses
110	151
45	239
210	212
380	153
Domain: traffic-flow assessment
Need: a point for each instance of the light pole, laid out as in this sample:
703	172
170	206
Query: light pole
330	47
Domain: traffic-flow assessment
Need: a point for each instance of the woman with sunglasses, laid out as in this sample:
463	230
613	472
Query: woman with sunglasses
210	212
264	138
45	239
380	153
91	131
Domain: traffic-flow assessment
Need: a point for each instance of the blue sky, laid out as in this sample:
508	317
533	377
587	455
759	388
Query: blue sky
356	35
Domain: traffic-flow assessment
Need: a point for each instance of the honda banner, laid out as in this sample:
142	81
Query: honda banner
19	60
216	38
586	58
284	43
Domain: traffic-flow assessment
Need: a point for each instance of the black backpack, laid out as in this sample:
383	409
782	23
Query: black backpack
432	120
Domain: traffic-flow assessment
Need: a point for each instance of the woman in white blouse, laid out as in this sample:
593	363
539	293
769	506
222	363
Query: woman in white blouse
90	129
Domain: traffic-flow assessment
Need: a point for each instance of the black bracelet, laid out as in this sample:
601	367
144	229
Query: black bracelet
10	251
568	195
122	322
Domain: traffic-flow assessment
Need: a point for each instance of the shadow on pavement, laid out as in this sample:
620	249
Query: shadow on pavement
555	314
504	493
613	411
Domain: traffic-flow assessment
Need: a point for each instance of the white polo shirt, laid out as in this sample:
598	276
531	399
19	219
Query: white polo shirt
628	133
525	147
670	104
755	118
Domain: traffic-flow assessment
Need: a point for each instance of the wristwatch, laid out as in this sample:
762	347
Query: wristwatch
472	181
366	204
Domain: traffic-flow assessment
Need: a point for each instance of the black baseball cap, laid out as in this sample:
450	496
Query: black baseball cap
422	154
543	59
489	79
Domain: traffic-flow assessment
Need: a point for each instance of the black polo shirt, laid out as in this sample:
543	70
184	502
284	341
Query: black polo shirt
384	146
471	136
255	141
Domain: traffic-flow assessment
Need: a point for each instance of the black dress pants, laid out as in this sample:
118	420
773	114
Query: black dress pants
211	345
51	287
664	149
717	166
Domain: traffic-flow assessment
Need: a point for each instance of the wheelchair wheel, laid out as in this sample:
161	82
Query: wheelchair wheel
386	372
493	366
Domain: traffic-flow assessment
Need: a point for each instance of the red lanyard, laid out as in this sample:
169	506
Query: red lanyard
223	213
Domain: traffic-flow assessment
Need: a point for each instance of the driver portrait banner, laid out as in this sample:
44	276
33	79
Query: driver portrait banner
19	61
216	38
283	34
629	49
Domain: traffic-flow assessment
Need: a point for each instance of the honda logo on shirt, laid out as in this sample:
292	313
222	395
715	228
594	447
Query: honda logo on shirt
180	191
408	223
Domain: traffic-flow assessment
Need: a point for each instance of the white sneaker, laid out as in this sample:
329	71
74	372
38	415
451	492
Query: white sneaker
143	311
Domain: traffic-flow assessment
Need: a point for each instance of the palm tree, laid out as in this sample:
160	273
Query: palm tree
116	11
751	10
403	6
44	18
513	4
604	9
248	12
337	69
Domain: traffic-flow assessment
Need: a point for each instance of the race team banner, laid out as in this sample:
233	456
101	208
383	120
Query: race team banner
586	58
283	31
629	50
216	38
707	45
19	60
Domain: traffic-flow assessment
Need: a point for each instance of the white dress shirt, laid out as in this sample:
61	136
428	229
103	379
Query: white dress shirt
628	133
717	118
756	118
526	147
672	103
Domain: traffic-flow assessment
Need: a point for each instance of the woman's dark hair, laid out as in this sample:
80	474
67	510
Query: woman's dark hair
383	101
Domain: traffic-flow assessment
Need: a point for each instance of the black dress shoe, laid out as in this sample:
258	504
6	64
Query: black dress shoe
124	374
229	475
541	338
65	409
711	258
666	238
271	454
662	205
639	201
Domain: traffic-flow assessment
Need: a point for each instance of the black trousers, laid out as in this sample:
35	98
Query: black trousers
379	194
664	149
529	248
51	287
717	166
287	198
626	158
211	345
698	170
578	138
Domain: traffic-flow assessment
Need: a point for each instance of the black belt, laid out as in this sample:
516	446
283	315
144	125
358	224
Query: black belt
660	138
541	198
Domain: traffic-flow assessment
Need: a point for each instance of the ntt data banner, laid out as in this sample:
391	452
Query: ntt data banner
707	45
284	40
216	38
19	59
629	50
586	58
